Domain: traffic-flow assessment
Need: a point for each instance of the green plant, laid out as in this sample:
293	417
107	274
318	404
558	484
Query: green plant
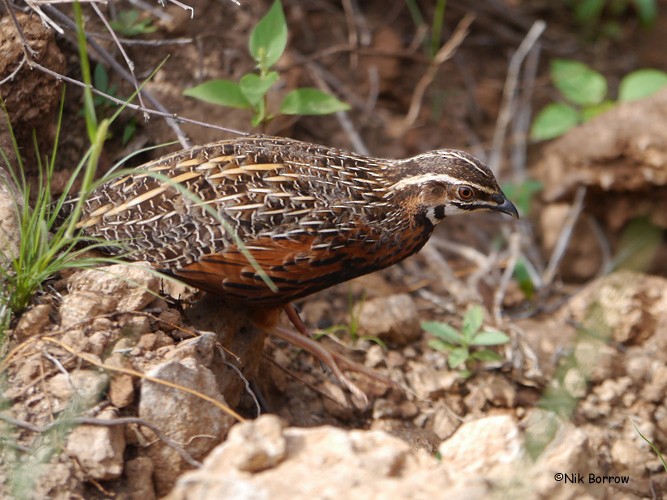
267	43
130	23
602	16
102	104
351	328
652	445
432	41
461	345
47	247
585	96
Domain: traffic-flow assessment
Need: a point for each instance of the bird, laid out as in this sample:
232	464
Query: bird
262	221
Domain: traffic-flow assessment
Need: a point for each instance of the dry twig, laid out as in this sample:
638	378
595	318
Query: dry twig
565	235
101	422
445	53
509	93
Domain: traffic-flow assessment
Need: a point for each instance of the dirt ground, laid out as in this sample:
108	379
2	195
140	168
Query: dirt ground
576	406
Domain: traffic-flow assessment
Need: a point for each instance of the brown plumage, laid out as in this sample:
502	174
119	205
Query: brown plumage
310	216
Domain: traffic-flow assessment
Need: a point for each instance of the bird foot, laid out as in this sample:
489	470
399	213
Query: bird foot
325	356
340	361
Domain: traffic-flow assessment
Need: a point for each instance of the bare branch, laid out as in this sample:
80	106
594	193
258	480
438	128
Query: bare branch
103	423
445	53
565	235
509	92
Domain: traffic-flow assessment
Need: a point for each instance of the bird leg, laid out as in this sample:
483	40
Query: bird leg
340	359
321	353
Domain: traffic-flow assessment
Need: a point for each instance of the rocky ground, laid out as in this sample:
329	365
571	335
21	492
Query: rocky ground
118	383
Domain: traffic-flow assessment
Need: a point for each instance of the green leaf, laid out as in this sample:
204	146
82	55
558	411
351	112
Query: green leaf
590	112
486	355
260	114
269	37
309	101
127	23
223	92
647	11
129	131
490	337
457	357
443	331
523	278
439	345
553	121
472	322
577	82
588	11
641	83
101	78
255	87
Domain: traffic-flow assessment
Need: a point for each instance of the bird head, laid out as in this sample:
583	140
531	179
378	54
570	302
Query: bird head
448	182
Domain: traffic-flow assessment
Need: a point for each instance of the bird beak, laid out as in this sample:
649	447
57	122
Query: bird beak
507	207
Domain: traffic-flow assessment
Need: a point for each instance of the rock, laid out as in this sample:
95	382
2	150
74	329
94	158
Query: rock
193	422
257	446
625	306
655	391
320	462
134	326
488	445
121	391
393	318
33	321
139	474
622	161
629	454
31	95
98	449
133	286
201	348
10	205
618	151
567	453
87	386
430	383
497	389
56	480
82	305
445	422
169	319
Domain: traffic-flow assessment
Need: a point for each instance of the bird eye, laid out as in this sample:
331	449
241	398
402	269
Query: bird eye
465	192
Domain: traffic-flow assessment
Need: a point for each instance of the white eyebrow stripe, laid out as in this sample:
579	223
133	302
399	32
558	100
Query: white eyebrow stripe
431	177
424	178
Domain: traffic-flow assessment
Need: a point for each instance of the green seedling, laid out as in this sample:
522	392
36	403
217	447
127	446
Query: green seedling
351	328
267	43
603	17
130	23
585	95
463	346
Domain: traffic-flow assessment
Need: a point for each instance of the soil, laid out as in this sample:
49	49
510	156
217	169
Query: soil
587	346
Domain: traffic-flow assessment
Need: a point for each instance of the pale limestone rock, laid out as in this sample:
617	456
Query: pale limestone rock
98	449
133	286
190	420
394	318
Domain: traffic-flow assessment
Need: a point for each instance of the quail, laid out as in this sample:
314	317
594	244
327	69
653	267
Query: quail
262	220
